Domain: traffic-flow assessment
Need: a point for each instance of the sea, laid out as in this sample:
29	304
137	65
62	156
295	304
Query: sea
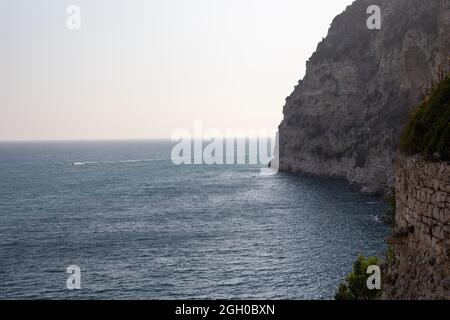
140	227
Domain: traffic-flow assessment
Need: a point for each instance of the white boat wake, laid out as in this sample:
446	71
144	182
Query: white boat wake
114	161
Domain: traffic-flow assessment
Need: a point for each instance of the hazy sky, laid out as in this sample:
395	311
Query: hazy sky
142	68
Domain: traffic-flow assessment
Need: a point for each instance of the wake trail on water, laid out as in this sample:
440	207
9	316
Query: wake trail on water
114	161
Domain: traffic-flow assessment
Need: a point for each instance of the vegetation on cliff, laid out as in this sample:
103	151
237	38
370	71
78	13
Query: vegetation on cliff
355	285
389	215
428	129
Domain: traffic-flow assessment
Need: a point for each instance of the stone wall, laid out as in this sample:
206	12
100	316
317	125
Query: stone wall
421	238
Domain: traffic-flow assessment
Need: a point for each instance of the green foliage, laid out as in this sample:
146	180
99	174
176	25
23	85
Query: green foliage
428	129
355	285
389	216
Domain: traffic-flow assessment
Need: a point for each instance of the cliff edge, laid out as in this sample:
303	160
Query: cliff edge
344	118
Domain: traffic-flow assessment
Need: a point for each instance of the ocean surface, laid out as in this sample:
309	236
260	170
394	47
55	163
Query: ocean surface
140	227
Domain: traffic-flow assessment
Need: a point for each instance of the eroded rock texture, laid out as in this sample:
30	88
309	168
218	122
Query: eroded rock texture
344	118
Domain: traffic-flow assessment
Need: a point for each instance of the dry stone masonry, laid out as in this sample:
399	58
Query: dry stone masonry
421	239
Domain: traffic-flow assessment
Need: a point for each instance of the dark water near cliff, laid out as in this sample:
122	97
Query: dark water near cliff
150	229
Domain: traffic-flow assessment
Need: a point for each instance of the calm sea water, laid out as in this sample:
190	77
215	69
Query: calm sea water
140	227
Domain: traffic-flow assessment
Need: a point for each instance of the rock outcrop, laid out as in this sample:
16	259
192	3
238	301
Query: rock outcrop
421	238
344	118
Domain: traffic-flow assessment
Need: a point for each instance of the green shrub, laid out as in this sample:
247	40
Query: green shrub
428	130
355	285
389	215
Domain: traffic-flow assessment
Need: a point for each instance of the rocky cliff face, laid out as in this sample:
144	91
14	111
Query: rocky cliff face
344	118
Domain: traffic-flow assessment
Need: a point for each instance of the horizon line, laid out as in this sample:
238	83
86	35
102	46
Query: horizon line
121	139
